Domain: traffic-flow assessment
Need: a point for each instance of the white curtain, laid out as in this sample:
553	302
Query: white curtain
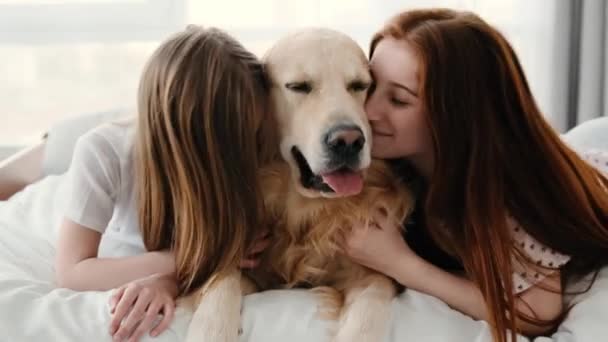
588	61
60	58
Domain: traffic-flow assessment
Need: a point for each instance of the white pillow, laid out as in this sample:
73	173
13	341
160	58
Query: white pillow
591	134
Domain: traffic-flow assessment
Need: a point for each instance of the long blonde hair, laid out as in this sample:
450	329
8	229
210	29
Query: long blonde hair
201	100
486	127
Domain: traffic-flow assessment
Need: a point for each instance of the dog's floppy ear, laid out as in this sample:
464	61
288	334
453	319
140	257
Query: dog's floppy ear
267	72
265	77
268	134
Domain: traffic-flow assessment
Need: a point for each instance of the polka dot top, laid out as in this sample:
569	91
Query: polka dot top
548	260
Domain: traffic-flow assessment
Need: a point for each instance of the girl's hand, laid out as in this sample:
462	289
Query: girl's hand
379	245
135	307
257	247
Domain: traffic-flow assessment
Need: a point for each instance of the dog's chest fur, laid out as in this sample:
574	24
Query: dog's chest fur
306	231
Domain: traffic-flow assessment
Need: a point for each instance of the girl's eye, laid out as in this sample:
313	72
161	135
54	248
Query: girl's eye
398	103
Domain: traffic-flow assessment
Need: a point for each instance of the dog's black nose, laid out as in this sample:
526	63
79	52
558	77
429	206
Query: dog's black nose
345	142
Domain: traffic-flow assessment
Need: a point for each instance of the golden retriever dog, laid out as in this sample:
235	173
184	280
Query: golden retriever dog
324	182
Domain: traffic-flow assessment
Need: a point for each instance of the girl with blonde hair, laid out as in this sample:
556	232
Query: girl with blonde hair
174	193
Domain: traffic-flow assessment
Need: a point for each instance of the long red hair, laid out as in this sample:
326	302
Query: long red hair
497	156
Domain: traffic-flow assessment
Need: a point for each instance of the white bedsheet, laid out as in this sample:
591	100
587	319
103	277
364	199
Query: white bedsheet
31	309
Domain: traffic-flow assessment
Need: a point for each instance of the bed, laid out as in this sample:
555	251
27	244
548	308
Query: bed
32	309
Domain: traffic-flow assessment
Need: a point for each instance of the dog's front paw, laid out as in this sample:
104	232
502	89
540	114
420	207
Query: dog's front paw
217	317
207	328
361	333
330	302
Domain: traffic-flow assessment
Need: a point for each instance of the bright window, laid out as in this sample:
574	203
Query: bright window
60	58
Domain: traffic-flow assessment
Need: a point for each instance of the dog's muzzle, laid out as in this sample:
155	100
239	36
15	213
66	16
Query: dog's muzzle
342	174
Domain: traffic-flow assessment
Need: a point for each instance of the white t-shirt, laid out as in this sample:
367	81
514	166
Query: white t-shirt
102	194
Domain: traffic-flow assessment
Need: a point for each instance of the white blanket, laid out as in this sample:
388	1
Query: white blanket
32	309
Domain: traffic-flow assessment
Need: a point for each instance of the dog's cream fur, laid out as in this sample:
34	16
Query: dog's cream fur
307	225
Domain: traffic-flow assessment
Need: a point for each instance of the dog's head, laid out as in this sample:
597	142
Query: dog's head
319	82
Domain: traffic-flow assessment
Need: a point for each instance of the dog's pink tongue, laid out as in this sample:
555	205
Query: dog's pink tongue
344	183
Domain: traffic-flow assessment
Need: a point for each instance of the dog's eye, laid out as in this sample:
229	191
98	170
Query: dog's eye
299	87
358	86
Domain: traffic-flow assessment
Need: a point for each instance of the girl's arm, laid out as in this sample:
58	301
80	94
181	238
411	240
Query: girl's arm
78	268
464	296
385	250
94	180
